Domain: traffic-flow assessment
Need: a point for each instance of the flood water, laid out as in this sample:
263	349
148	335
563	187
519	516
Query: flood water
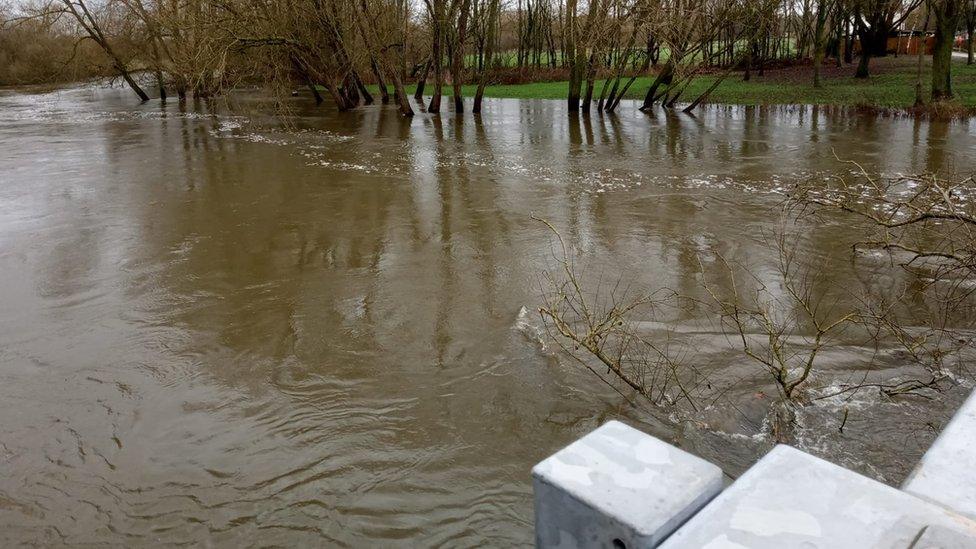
222	325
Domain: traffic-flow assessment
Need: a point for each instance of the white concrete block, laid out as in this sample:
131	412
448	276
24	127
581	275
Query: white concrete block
940	537
618	488
947	472
792	499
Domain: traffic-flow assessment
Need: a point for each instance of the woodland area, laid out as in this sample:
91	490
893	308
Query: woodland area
351	51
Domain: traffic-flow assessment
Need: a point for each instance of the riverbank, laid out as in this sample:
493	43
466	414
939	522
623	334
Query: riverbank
891	86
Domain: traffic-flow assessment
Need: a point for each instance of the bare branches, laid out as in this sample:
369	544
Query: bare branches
602	327
925	225
792	321
789	321
928	220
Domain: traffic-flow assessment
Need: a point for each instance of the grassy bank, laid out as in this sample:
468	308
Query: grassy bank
892	85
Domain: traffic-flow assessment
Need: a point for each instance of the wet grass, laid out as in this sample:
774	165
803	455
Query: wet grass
892	85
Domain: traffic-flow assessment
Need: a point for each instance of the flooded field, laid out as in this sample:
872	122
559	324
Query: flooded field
219	325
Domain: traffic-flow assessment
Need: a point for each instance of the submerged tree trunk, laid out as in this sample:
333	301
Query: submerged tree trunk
458	61
703	97
613	102
161	84
575	84
367	97
340	99
437	23
664	78
418	95
574	58
132	83
315	93
488	54
380	82
351	90
157	60
309	81
591	69
400	94
380	60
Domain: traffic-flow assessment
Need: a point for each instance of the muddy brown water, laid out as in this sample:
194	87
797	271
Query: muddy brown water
220	328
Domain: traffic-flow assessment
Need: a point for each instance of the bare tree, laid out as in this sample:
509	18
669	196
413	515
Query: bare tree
437	11
383	53
488	31
87	19
873	22
825	9
947	14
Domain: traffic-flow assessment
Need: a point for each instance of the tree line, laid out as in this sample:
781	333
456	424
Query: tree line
351	50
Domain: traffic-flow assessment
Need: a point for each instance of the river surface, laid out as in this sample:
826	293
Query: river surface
224	324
